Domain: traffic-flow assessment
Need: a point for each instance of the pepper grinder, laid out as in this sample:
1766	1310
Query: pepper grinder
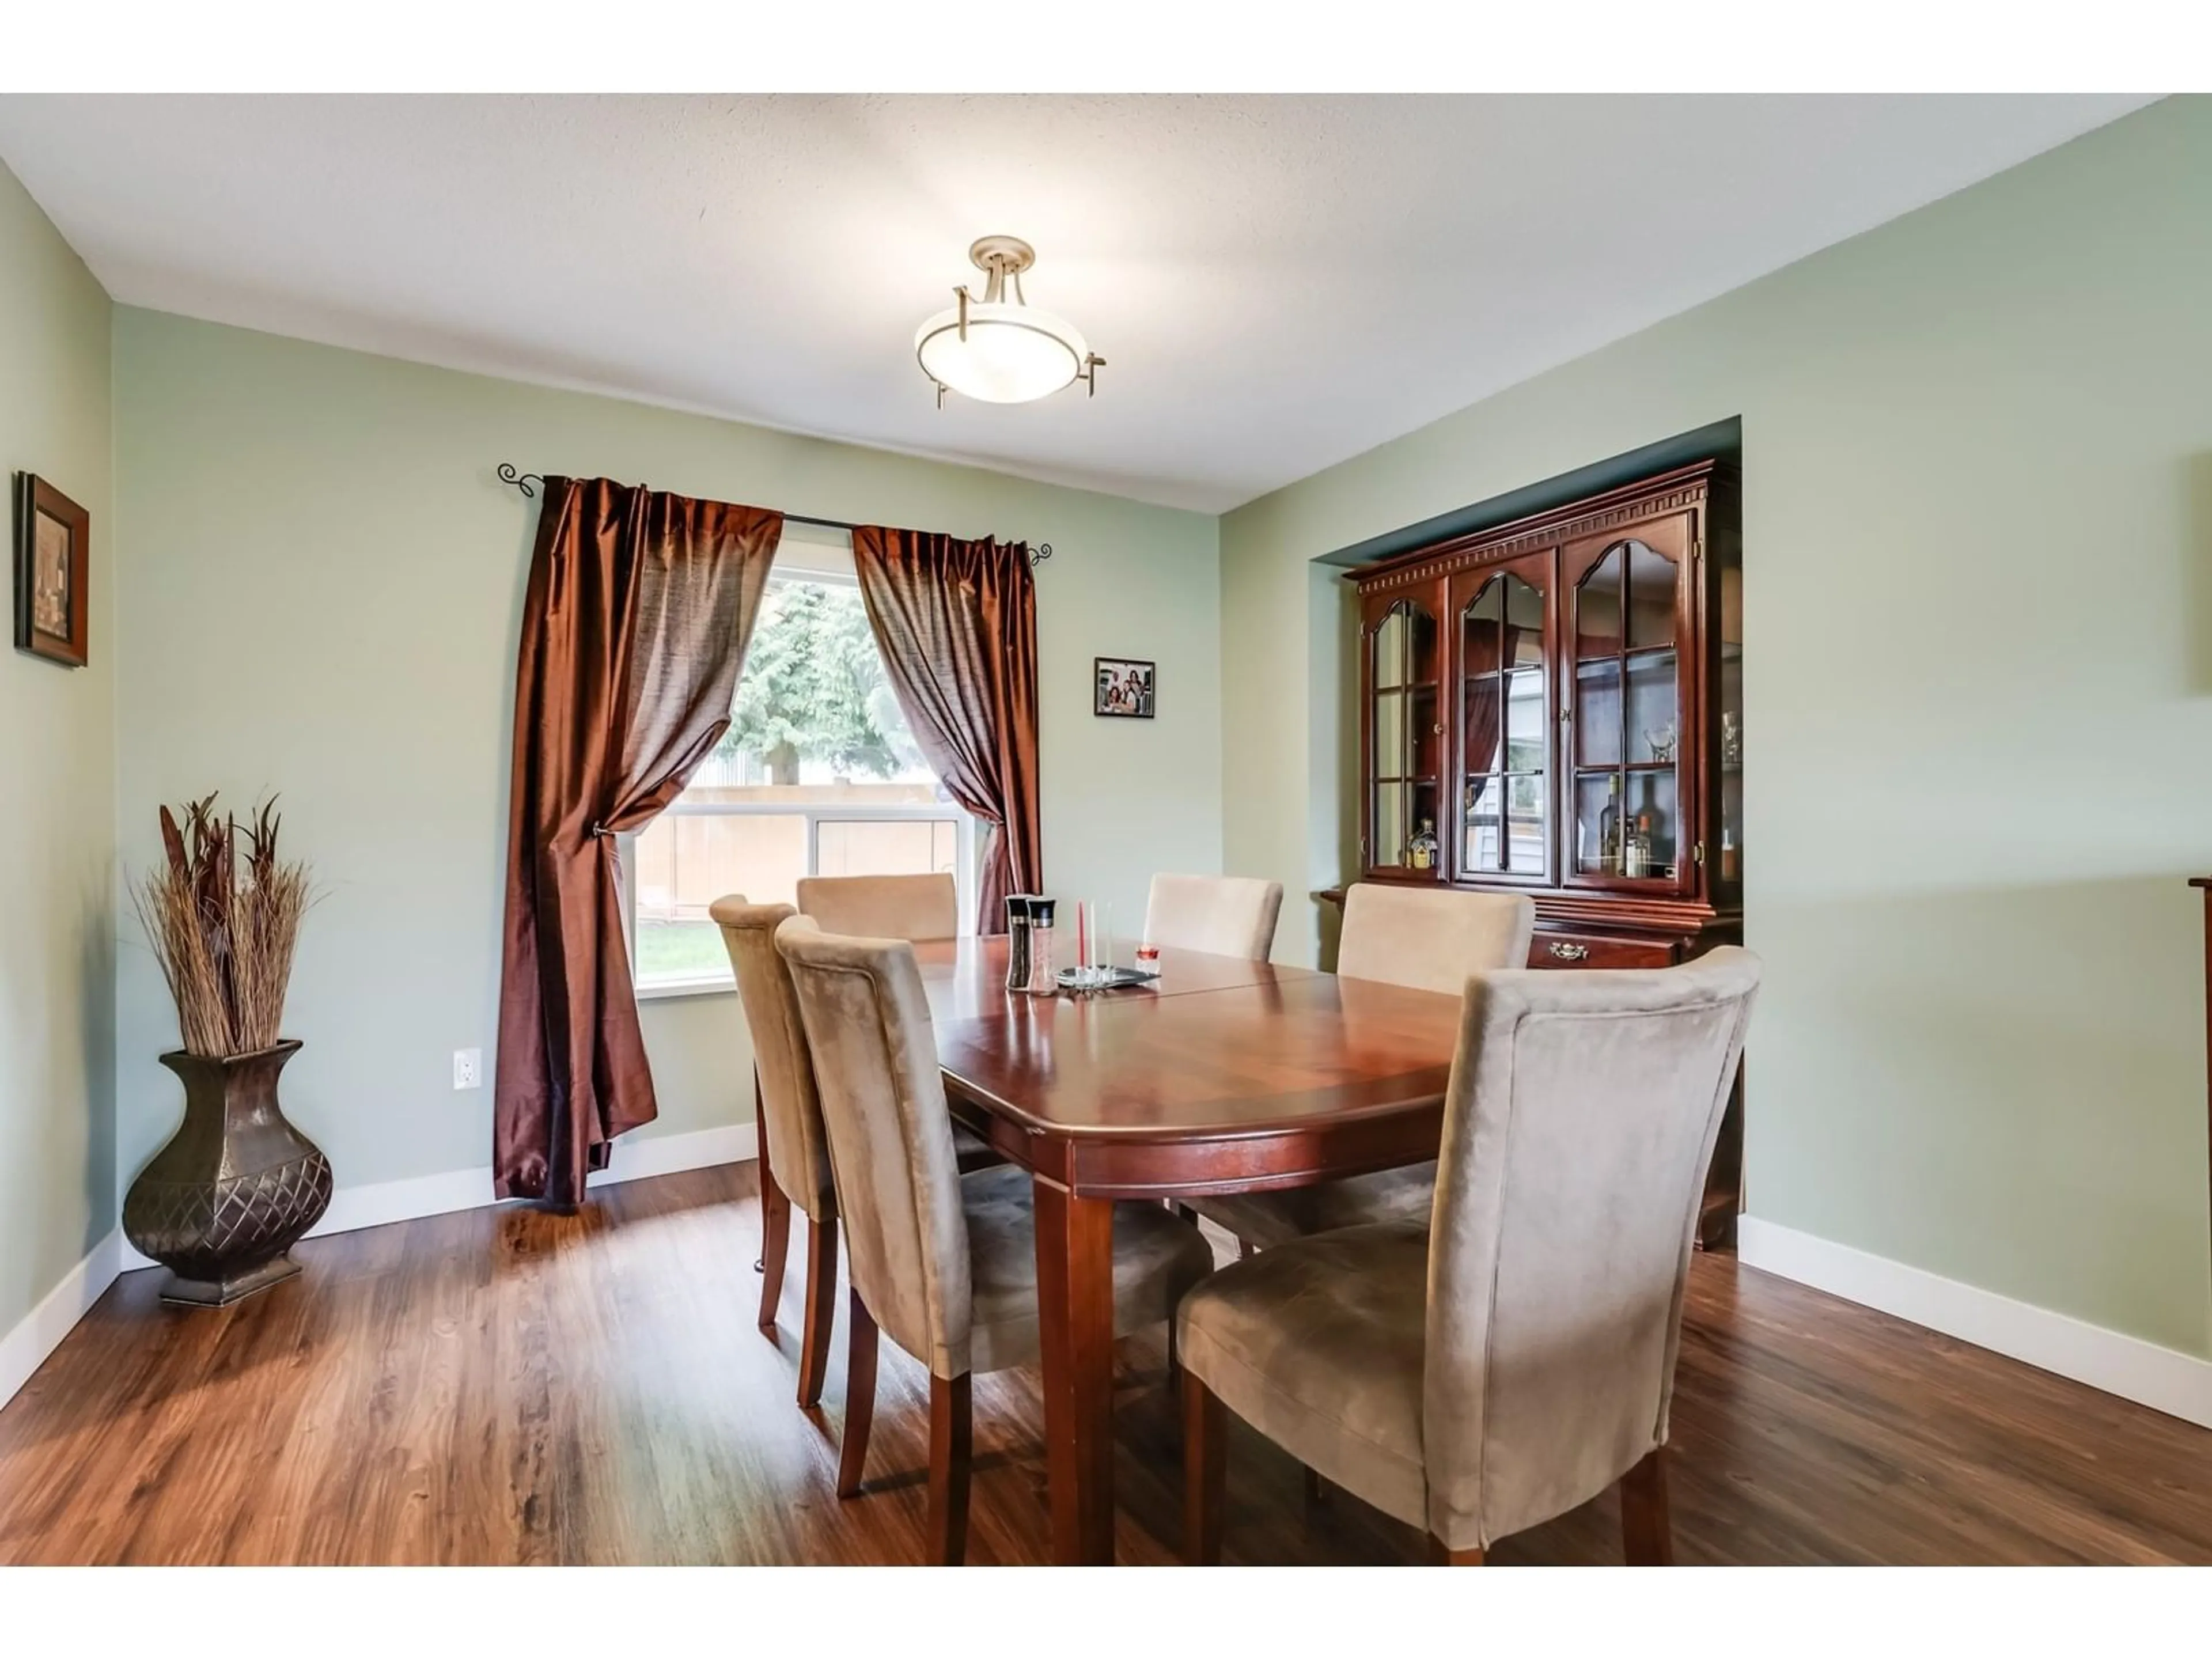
1044	975
1017	941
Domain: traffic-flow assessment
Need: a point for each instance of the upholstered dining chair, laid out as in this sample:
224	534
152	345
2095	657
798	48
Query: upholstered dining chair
1515	1356
915	908
1228	915
796	1167
946	1263
1431	940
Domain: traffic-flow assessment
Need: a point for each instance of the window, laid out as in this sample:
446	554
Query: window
818	775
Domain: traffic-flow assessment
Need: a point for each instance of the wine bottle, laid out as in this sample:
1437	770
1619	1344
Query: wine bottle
1421	850
1658	834
1608	828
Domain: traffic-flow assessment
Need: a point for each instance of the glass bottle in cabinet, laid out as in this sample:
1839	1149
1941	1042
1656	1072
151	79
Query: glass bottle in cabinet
1421	849
1607	855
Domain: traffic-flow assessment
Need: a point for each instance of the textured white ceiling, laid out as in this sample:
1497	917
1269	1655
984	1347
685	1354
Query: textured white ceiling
1276	284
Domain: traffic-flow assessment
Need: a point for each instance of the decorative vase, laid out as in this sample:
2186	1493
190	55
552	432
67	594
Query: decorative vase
222	1204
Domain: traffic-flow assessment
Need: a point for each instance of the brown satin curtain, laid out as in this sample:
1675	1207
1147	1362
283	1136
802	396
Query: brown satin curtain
957	623
634	626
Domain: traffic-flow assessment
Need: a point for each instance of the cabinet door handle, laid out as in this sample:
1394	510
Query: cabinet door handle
1566	952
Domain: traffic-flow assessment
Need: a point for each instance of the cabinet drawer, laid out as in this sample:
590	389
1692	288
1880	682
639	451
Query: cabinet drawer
1598	951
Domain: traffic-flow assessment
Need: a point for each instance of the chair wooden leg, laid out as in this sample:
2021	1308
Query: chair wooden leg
1646	1538
821	1306
1204	1472
767	1179
952	1423
1444	1557
860	1396
776	1245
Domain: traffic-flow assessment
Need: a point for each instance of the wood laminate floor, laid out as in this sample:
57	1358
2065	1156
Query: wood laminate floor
510	1386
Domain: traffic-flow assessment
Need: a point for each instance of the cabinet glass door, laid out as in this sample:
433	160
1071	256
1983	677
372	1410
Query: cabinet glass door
1504	692
1404	738
1728	856
1627	802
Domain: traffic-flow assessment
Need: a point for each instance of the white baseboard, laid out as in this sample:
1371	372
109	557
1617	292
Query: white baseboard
2165	1379
702	1149
40	1331
355	1207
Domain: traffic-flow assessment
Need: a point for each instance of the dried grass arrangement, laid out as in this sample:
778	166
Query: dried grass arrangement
223	928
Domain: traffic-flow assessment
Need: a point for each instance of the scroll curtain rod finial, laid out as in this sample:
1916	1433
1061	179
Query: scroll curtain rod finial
520	480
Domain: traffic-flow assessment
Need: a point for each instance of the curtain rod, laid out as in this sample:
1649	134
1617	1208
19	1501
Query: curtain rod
522	482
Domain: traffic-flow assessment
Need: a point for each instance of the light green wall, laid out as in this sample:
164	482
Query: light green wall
1977	595
57	757
321	590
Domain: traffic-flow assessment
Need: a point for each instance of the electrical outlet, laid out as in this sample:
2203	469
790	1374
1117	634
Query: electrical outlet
468	1068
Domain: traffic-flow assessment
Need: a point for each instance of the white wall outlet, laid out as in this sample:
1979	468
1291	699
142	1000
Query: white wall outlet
468	1068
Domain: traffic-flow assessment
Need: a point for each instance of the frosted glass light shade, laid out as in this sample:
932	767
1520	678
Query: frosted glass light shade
1013	354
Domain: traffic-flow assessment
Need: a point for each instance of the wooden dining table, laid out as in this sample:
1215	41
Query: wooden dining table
1222	1076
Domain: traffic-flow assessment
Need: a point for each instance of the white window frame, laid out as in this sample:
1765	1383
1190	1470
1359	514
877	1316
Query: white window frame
804	554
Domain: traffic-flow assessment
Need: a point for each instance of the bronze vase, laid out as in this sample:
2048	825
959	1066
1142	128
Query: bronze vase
222	1204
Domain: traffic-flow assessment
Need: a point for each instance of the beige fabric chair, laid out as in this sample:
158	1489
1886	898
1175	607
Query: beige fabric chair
795	1169
915	908
945	1263
1515	1358
1228	915
1430	940
912	908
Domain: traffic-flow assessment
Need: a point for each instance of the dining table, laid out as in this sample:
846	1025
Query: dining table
1221	1076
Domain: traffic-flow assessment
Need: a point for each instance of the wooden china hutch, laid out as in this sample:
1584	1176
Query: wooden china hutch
1555	707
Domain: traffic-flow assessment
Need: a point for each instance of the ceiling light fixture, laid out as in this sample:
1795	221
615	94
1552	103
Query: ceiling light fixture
999	349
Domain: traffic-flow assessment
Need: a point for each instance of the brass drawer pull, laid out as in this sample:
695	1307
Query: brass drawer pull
1566	952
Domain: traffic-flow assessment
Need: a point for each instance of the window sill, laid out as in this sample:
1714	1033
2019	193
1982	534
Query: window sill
669	990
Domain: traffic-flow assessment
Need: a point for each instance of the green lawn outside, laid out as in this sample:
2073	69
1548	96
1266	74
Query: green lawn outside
680	950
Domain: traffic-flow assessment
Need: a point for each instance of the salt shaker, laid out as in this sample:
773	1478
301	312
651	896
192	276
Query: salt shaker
1017	941
1044	975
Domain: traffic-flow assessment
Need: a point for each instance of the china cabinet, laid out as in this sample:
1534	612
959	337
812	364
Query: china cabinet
1555	707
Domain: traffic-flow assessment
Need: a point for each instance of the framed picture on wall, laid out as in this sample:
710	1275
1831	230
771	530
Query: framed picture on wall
1123	688
52	554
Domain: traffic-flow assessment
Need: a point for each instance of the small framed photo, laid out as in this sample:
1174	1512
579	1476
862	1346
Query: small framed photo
53	538
1124	687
